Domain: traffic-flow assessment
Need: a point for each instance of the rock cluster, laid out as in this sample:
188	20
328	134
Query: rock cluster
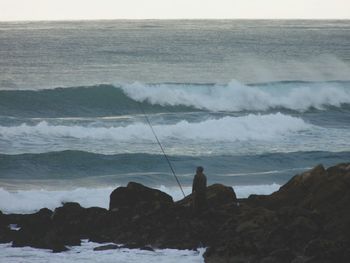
307	220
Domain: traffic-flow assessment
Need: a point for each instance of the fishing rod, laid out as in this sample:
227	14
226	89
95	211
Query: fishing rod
161	147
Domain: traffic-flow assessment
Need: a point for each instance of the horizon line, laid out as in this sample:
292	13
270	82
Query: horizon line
168	19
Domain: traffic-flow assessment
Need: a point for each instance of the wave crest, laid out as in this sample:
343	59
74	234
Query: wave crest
243	128
239	97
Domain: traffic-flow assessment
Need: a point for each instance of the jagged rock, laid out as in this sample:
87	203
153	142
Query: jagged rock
311	208
307	220
296	190
316	189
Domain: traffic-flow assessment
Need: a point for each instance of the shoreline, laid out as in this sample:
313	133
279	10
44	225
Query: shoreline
305	220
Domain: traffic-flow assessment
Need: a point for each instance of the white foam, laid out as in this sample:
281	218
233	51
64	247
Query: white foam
248	127
245	191
237	97
28	201
85	253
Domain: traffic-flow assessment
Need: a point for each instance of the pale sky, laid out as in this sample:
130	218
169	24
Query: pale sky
172	9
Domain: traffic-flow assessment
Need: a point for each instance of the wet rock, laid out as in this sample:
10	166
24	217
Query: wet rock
69	216
284	255
137	246
138	197
3	220
6	235
217	195
307	220
106	247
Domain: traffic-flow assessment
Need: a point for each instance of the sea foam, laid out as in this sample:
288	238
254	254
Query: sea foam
243	128
236	96
85	253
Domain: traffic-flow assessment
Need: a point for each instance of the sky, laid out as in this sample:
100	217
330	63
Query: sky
19	10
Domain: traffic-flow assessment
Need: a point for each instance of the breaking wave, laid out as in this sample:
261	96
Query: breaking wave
298	96
109	100
243	128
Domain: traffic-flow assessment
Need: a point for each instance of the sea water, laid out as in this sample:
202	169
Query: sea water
254	102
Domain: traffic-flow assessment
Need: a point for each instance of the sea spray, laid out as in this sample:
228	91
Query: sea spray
236	96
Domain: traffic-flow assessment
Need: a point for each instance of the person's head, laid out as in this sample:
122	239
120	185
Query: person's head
200	169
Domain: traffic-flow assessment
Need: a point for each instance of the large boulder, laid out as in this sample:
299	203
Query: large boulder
138	197
37	230
217	196
317	189
69	217
307	220
74	220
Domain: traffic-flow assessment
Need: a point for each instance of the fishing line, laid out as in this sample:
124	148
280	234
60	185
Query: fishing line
161	147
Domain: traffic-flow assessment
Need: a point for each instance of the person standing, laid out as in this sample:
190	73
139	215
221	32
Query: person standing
199	191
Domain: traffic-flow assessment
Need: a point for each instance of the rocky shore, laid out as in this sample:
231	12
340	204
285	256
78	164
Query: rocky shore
307	220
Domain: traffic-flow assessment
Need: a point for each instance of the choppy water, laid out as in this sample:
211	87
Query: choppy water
254	102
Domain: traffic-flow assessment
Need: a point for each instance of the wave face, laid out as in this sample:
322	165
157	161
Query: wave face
108	100
91	169
300	96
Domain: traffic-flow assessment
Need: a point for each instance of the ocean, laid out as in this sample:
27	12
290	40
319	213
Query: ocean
252	101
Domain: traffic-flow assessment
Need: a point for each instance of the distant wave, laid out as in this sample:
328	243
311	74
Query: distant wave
243	128
109	100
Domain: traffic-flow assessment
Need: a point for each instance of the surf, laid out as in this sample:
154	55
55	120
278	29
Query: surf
121	99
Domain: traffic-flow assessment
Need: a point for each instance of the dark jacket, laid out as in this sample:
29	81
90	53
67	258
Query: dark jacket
199	183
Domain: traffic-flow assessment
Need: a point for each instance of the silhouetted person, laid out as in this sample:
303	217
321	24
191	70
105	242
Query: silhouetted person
199	190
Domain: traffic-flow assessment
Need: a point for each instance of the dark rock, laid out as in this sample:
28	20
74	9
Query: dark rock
328	250
6	235
307	220
69	215
59	248
311	208
297	190
317	189
138	197
3	220
96	219
284	255
147	248
37	222
33	230
106	247
137	246
217	195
